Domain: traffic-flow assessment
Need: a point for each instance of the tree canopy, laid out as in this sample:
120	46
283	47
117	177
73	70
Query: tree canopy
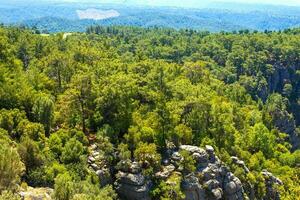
138	90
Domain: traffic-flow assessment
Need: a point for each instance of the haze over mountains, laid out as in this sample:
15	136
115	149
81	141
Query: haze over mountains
174	3
73	15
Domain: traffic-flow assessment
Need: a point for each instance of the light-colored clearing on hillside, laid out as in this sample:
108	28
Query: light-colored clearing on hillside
44	35
66	35
96	14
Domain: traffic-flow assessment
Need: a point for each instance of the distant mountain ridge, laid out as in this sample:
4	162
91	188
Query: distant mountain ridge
219	17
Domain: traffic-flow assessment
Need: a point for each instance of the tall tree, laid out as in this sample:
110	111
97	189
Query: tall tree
43	110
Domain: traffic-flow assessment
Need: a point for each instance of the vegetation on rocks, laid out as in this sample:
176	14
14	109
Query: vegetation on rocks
137	94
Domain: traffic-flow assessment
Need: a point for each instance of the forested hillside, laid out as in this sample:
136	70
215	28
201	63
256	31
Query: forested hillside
138	94
62	16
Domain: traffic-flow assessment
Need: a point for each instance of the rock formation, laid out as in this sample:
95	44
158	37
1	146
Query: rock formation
271	181
216	182
131	184
99	165
211	180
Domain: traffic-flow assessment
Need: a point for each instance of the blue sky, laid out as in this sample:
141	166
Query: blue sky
177	3
278	2
194	3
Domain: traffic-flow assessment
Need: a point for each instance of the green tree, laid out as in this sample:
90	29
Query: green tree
43	109
222	127
188	162
7	195
72	151
261	139
169	189
182	135
147	155
76	101
197	116
34	131
11	167
63	187
30	153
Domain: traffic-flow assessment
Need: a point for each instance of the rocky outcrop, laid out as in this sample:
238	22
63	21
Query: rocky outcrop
211	180
285	122
97	163
165	172
192	188
270	182
132	185
129	182
240	163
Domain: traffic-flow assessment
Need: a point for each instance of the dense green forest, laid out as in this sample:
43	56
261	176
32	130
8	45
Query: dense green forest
133	92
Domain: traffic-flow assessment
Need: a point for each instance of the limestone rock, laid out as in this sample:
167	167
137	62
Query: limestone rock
209	149
166	162
230	188
271	181
99	166
212	180
217	193
176	156
211	153
192	189
93	147
211	184
166	172
133	186
95	153
92	159
135	168
240	163
192	149
131	179
104	177
95	166
216	179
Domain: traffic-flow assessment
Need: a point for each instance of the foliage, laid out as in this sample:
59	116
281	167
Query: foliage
72	151
188	162
42	16
169	189
133	91
11	167
63	187
147	155
30	153
5	195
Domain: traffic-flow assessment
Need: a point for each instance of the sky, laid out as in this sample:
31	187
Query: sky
277	2
177	3
194	3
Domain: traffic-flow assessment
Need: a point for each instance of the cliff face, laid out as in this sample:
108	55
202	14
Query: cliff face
211	179
285	123
286	120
